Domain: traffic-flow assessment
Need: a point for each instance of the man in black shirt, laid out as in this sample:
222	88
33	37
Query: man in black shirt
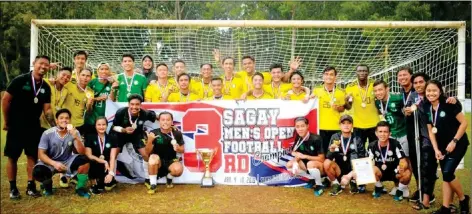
26	98
163	144
128	127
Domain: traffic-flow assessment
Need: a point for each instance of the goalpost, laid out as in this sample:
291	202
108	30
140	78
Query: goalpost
436	48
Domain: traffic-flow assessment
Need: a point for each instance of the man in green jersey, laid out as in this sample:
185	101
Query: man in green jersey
128	82
390	106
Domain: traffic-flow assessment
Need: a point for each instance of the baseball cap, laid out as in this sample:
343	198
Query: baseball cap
346	117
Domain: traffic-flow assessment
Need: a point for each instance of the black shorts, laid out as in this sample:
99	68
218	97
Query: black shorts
389	175
364	134
137	139
97	170
344	166
23	139
164	169
326	136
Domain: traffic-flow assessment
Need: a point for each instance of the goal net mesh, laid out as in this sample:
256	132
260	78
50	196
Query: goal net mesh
385	50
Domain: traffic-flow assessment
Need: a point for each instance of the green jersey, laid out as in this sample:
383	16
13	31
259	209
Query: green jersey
135	84
392	111
99	89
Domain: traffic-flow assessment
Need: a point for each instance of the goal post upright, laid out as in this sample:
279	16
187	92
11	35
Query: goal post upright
33	43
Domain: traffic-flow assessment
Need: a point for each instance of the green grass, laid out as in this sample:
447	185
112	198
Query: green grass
193	199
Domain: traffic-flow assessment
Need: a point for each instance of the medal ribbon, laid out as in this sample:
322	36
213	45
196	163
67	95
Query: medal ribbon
435	117
331	95
386	151
384	111
407	97
345	149
128	86
101	144
363	96
34	85
130	121
299	143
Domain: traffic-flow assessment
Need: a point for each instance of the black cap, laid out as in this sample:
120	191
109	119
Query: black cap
346	117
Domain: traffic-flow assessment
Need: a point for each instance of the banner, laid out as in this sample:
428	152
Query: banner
253	138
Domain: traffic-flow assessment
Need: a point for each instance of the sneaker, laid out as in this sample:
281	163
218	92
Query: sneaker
453	208
415	197
442	210
406	192
398	196
393	192
377	192
94	190
310	184
110	185
74	180
152	189
335	190
318	190
147	183
353	188
464	205
15	194
47	192
169	183
361	188
326	182
82	192
33	192
63	183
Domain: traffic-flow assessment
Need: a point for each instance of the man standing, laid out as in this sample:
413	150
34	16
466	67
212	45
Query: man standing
233	84
80	60
58	93
202	86
26	97
158	90
184	94
276	86
128	82
217	89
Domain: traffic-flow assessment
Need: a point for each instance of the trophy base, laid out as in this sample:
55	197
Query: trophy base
207	182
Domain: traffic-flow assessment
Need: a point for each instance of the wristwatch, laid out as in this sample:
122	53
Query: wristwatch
455	140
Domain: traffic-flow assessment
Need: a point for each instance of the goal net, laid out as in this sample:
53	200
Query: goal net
431	47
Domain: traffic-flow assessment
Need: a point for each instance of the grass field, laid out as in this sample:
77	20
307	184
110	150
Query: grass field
193	199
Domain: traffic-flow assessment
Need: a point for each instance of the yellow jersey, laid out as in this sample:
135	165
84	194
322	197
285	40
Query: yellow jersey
278	92
180	98
234	87
57	102
248	79
76	101
295	96
201	89
224	97
329	117
264	96
154	91
363	111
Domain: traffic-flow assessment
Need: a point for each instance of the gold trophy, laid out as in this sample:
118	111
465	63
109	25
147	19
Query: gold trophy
207	155
337	143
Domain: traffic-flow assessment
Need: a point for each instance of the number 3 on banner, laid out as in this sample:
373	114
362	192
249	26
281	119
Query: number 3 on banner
209	140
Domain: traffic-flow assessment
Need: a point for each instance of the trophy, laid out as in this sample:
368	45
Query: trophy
207	155
337	143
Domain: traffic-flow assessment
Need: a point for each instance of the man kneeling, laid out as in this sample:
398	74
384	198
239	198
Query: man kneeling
55	155
343	148
389	162
163	144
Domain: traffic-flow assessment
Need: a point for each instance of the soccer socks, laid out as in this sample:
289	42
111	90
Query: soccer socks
335	181
146	169
316	175
169	176
402	186
153	179
81	181
13	185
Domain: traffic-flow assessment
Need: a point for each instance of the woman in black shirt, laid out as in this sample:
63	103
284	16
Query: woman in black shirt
446	127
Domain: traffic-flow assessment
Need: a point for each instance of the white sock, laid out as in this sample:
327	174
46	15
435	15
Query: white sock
169	176
146	168
402	186
378	184
316	175
335	181
153	179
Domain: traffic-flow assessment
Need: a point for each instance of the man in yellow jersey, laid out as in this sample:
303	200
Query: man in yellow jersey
184	94
178	67
159	90
217	88
80	60
360	98
276	87
58	93
79	99
297	91
232	83
202	85
257	92
331	105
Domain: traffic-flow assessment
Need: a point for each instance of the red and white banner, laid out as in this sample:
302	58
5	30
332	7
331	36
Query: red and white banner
252	138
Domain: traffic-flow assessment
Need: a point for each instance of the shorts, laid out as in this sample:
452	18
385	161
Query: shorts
97	170
388	175
164	169
364	134
67	163
136	139
19	140
326	136
404	143
345	168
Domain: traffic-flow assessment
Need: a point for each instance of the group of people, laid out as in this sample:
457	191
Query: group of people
67	130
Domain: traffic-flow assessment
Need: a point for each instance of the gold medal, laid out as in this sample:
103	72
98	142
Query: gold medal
134	126
434	130
69	127
88	95
413	107
363	105
57	108
35	100
102	157
345	158
384	167
173	142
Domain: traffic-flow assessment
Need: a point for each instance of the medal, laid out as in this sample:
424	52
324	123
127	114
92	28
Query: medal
363	95
434	118
102	146
88	95
384	167
57	108
382	110
345	148
228	86
102	157
363	105
128	94
173	142
299	143
405	101
36	92
413	107
128	85
350	99
70	127
134	126
331	95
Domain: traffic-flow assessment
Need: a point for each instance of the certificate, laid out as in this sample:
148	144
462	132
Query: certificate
364	171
